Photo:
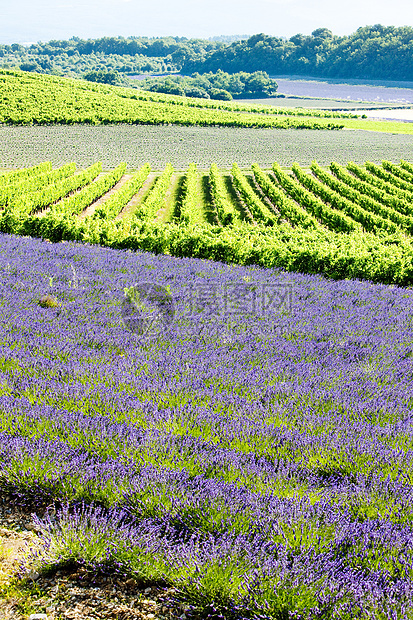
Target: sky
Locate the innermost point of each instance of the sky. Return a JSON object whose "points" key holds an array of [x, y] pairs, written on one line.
{"points": [[29, 21]]}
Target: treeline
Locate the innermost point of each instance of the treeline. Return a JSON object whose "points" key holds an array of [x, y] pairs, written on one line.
{"points": [[75, 57], [122, 46], [78, 65], [372, 52], [219, 85]]}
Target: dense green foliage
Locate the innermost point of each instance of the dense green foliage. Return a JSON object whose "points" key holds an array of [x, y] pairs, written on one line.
{"points": [[27, 99], [190, 204], [103, 77], [372, 52], [385, 259], [364, 198], [131, 55], [255, 209], [111, 207], [23, 201], [14, 185], [225, 210], [315, 195], [214, 85], [300, 223], [290, 210], [149, 208]]}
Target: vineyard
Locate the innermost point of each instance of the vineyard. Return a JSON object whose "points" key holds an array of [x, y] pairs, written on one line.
{"points": [[27, 99], [36, 99], [206, 382], [345, 222]]}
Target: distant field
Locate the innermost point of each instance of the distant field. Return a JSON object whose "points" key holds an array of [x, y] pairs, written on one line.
{"points": [[342, 89], [391, 126], [323, 104], [25, 146]]}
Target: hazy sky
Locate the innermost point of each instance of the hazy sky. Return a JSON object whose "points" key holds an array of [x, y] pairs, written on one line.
{"points": [[41, 20]]}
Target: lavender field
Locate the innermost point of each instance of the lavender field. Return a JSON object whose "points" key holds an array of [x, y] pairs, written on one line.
{"points": [[333, 89], [257, 454]]}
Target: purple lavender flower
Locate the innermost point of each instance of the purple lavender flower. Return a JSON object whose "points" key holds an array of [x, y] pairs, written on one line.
{"points": [[266, 473]]}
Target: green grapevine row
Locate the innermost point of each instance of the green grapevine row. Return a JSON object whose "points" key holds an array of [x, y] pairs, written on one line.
{"points": [[156, 198], [383, 174], [389, 188], [35, 184], [398, 171], [19, 175], [75, 204], [373, 191], [289, 209], [225, 209], [190, 204], [368, 220], [379, 182], [406, 166], [333, 219], [259, 210], [232, 106], [35, 201]]}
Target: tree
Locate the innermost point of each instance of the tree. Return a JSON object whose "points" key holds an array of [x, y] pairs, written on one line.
{"points": [[322, 33], [194, 91], [102, 76], [218, 93], [299, 39], [259, 82], [31, 66]]}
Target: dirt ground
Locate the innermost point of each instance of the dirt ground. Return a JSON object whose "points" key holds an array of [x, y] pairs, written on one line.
{"points": [[69, 593]]}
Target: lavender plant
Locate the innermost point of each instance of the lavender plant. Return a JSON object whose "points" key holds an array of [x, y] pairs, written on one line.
{"points": [[257, 456]]}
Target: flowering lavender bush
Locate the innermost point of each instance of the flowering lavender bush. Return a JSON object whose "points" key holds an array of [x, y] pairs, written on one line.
{"points": [[263, 467]]}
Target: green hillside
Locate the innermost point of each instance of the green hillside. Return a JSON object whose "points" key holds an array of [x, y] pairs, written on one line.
{"points": [[30, 98], [37, 99]]}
